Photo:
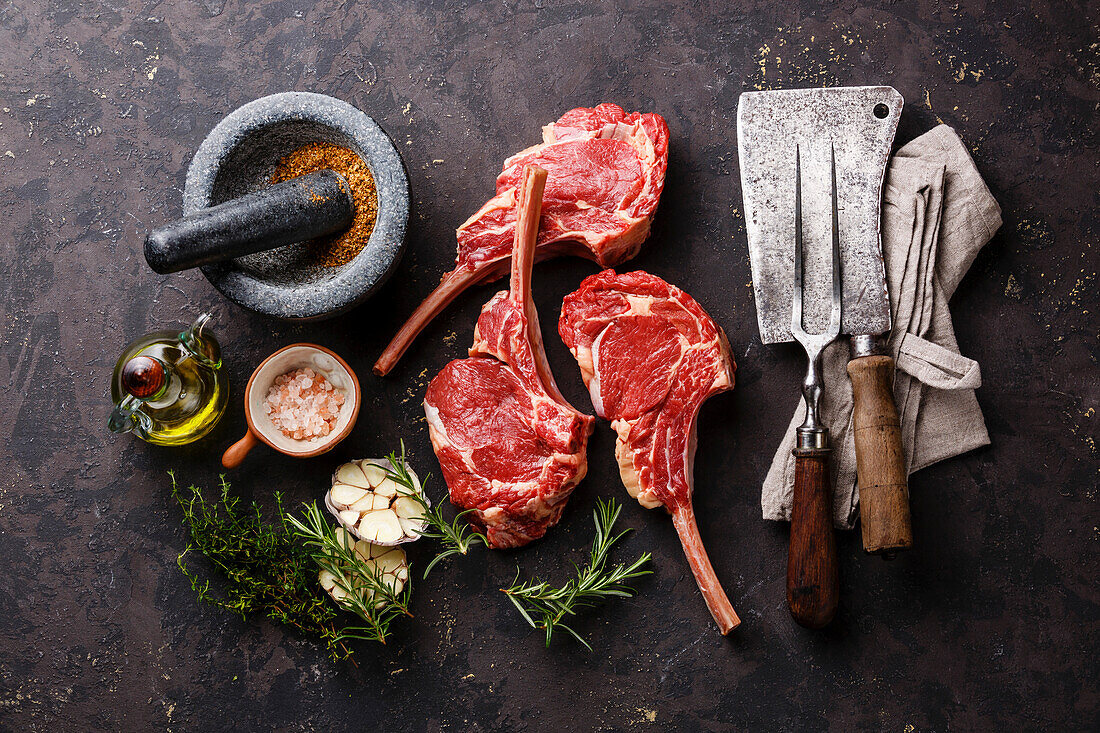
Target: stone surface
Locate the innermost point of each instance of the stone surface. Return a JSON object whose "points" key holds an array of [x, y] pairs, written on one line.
{"points": [[991, 623]]}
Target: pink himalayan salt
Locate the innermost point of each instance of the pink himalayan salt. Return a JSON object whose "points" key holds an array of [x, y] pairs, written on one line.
{"points": [[303, 404]]}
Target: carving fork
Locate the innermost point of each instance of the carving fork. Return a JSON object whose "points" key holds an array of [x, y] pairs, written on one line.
{"points": [[812, 582]]}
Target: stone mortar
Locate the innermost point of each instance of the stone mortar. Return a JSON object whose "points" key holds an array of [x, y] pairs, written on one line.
{"points": [[239, 156]]}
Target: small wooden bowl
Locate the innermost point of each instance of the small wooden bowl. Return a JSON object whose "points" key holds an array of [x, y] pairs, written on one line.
{"points": [[260, 427]]}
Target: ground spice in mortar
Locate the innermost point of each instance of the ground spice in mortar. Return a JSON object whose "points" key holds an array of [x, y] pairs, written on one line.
{"points": [[340, 249]]}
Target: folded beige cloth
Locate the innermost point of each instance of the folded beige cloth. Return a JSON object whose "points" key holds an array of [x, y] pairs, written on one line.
{"points": [[937, 214]]}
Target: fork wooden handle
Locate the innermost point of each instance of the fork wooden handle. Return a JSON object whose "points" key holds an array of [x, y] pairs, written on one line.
{"points": [[880, 462], [813, 588]]}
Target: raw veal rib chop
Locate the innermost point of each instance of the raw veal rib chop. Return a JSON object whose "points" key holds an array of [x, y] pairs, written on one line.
{"points": [[510, 445], [606, 172], [650, 357]]}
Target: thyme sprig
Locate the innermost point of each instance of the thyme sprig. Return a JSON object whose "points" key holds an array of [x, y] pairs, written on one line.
{"points": [[456, 536], [367, 592], [266, 572], [546, 607]]}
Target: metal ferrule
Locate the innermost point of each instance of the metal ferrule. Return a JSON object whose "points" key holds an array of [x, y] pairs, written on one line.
{"points": [[816, 439], [866, 345]]}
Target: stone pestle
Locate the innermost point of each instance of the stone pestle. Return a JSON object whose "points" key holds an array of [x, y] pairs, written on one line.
{"points": [[297, 210]]}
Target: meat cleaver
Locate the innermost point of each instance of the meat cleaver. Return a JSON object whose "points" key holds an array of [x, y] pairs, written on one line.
{"points": [[859, 123]]}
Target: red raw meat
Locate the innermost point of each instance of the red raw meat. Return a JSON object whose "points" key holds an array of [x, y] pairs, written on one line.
{"points": [[650, 356], [606, 172], [510, 445]]}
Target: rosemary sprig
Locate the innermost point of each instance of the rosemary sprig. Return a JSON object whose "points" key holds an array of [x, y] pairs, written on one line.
{"points": [[367, 592], [593, 584], [265, 571], [456, 536]]}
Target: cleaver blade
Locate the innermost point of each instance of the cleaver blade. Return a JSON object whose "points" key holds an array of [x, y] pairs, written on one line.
{"points": [[859, 123]]}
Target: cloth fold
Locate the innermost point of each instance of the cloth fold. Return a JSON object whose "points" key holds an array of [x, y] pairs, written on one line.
{"points": [[937, 214]]}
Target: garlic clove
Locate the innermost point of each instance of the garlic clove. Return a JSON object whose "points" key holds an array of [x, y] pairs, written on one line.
{"points": [[365, 504], [380, 526], [408, 508], [387, 487], [344, 537], [391, 561], [327, 579], [348, 516], [350, 473], [345, 494], [374, 473], [380, 502], [411, 515]]}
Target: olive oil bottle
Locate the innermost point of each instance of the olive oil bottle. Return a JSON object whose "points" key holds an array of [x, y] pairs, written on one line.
{"points": [[169, 387]]}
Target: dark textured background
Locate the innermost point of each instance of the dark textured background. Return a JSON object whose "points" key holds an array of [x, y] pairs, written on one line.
{"points": [[991, 623]]}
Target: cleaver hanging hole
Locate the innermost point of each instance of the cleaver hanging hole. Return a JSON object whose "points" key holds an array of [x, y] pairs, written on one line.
{"points": [[881, 111]]}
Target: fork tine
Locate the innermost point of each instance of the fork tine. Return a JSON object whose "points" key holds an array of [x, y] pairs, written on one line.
{"points": [[838, 282], [796, 307]]}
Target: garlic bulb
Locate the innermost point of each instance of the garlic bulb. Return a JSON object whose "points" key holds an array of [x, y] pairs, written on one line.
{"points": [[366, 500], [388, 562]]}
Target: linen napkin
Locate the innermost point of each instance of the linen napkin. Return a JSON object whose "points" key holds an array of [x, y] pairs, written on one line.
{"points": [[937, 214]]}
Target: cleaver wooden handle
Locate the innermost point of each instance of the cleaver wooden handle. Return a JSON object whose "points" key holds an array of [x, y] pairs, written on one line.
{"points": [[813, 588], [880, 462]]}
